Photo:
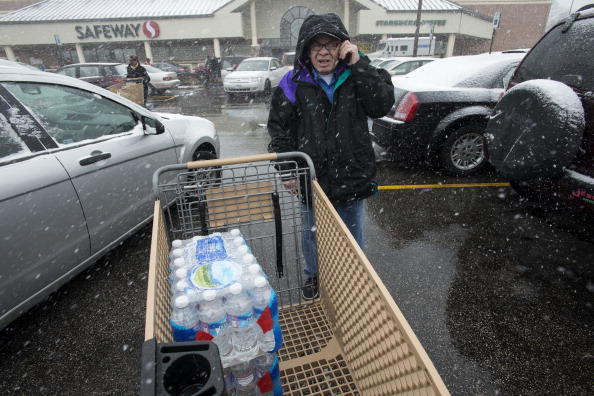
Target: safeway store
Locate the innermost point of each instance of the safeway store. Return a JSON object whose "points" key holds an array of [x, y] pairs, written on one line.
{"points": [[186, 31]]}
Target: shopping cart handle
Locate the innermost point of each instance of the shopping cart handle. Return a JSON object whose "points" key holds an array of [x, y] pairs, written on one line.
{"points": [[253, 158], [292, 155], [232, 160]]}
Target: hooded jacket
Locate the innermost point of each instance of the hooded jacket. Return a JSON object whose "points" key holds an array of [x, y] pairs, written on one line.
{"points": [[334, 134]]}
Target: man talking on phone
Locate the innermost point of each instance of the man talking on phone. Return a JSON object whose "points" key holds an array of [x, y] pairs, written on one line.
{"points": [[321, 107]]}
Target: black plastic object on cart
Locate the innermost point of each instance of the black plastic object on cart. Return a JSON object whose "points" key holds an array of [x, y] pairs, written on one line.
{"points": [[535, 131], [181, 369]]}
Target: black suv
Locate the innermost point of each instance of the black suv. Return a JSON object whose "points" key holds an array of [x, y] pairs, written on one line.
{"points": [[541, 133]]}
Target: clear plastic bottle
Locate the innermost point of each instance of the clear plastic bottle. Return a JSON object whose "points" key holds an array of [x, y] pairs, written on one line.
{"points": [[213, 320], [261, 296], [244, 379], [177, 253], [229, 381], [178, 289], [184, 320], [178, 274], [241, 319], [249, 275], [263, 365]]}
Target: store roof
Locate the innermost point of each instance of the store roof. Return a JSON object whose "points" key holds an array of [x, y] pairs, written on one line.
{"points": [[410, 5], [86, 10], [81, 10]]}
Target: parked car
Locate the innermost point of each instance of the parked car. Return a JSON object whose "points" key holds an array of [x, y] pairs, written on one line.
{"points": [[76, 164], [289, 59], [227, 64], [541, 134], [378, 62], [161, 80], [404, 65], [184, 73], [101, 74], [442, 109], [255, 75], [7, 63]]}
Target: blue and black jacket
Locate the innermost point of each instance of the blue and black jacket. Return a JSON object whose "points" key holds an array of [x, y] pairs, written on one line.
{"points": [[335, 134]]}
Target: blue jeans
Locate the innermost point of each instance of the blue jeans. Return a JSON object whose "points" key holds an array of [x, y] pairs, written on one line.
{"points": [[352, 214]]}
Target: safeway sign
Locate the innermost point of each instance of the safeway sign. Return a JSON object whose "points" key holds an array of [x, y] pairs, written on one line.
{"points": [[151, 29]]}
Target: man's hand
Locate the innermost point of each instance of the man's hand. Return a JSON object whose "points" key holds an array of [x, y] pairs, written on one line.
{"points": [[349, 52], [291, 185]]}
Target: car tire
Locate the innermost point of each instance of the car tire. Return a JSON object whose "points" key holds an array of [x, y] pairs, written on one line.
{"points": [[535, 131], [267, 87], [213, 176], [463, 152]]}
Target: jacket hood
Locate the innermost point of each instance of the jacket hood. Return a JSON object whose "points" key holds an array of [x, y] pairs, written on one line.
{"points": [[329, 24]]}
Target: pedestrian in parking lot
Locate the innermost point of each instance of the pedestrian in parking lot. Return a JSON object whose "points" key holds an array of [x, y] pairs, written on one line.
{"points": [[148, 62], [321, 107], [136, 70]]}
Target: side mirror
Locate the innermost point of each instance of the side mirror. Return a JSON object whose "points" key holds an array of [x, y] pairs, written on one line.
{"points": [[152, 126], [273, 68]]}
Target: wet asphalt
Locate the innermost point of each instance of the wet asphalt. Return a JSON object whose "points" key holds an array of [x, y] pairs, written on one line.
{"points": [[499, 291]]}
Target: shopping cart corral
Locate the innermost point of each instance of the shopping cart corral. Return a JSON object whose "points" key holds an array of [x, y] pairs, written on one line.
{"points": [[353, 340]]}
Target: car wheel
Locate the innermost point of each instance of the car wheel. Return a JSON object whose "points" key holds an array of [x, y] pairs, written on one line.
{"points": [[267, 87], [463, 152], [206, 176], [535, 131]]}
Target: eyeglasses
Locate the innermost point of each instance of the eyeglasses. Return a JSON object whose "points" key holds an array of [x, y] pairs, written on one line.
{"points": [[315, 46]]}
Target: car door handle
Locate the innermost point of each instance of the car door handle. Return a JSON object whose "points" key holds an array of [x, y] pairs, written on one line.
{"points": [[95, 156]]}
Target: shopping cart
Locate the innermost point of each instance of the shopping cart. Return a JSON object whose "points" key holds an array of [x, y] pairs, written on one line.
{"points": [[353, 340]]}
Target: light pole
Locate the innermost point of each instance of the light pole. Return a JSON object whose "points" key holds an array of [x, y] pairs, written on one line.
{"points": [[418, 26]]}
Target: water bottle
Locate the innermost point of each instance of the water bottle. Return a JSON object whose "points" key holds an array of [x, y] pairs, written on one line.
{"points": [[184, 320], [177, 262], [179, 288], [261, 296], [195, 296], [178, 275], [213, 320], [240, 317], [244, 379], [249, 276], [229, 381], [175, 254], [263, 365]]}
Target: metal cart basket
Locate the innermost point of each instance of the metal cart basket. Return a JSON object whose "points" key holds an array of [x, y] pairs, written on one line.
{"points": [[353, 339]]}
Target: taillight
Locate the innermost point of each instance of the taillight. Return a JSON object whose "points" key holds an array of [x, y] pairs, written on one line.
{"points": [[167, 78], [181, 69], [407, 107]]}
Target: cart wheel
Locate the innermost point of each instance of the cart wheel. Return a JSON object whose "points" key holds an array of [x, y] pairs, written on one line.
{"points": [[206, 176]]}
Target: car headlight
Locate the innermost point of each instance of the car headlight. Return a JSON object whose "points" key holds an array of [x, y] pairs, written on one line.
{"points": [[256, 79]]}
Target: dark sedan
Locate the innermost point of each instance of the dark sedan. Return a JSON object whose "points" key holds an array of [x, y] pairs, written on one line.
{"points": [[442, 110]]}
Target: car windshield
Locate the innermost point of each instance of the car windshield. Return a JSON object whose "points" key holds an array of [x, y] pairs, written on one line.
{"points": [[253, 65]]}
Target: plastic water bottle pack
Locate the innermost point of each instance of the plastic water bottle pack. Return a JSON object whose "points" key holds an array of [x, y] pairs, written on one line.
{"points": [[220, 293]]}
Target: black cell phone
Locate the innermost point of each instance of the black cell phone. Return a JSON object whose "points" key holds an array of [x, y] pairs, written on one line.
{"points": [[347, 58]]}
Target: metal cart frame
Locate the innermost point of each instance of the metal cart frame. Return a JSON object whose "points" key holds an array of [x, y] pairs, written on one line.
{"points": [[353, 339]]}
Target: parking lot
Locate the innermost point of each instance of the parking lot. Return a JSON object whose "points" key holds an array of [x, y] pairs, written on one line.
{"points": [[498, 290]]}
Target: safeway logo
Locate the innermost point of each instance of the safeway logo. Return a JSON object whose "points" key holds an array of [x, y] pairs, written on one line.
{"points": [[151, 29]]}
